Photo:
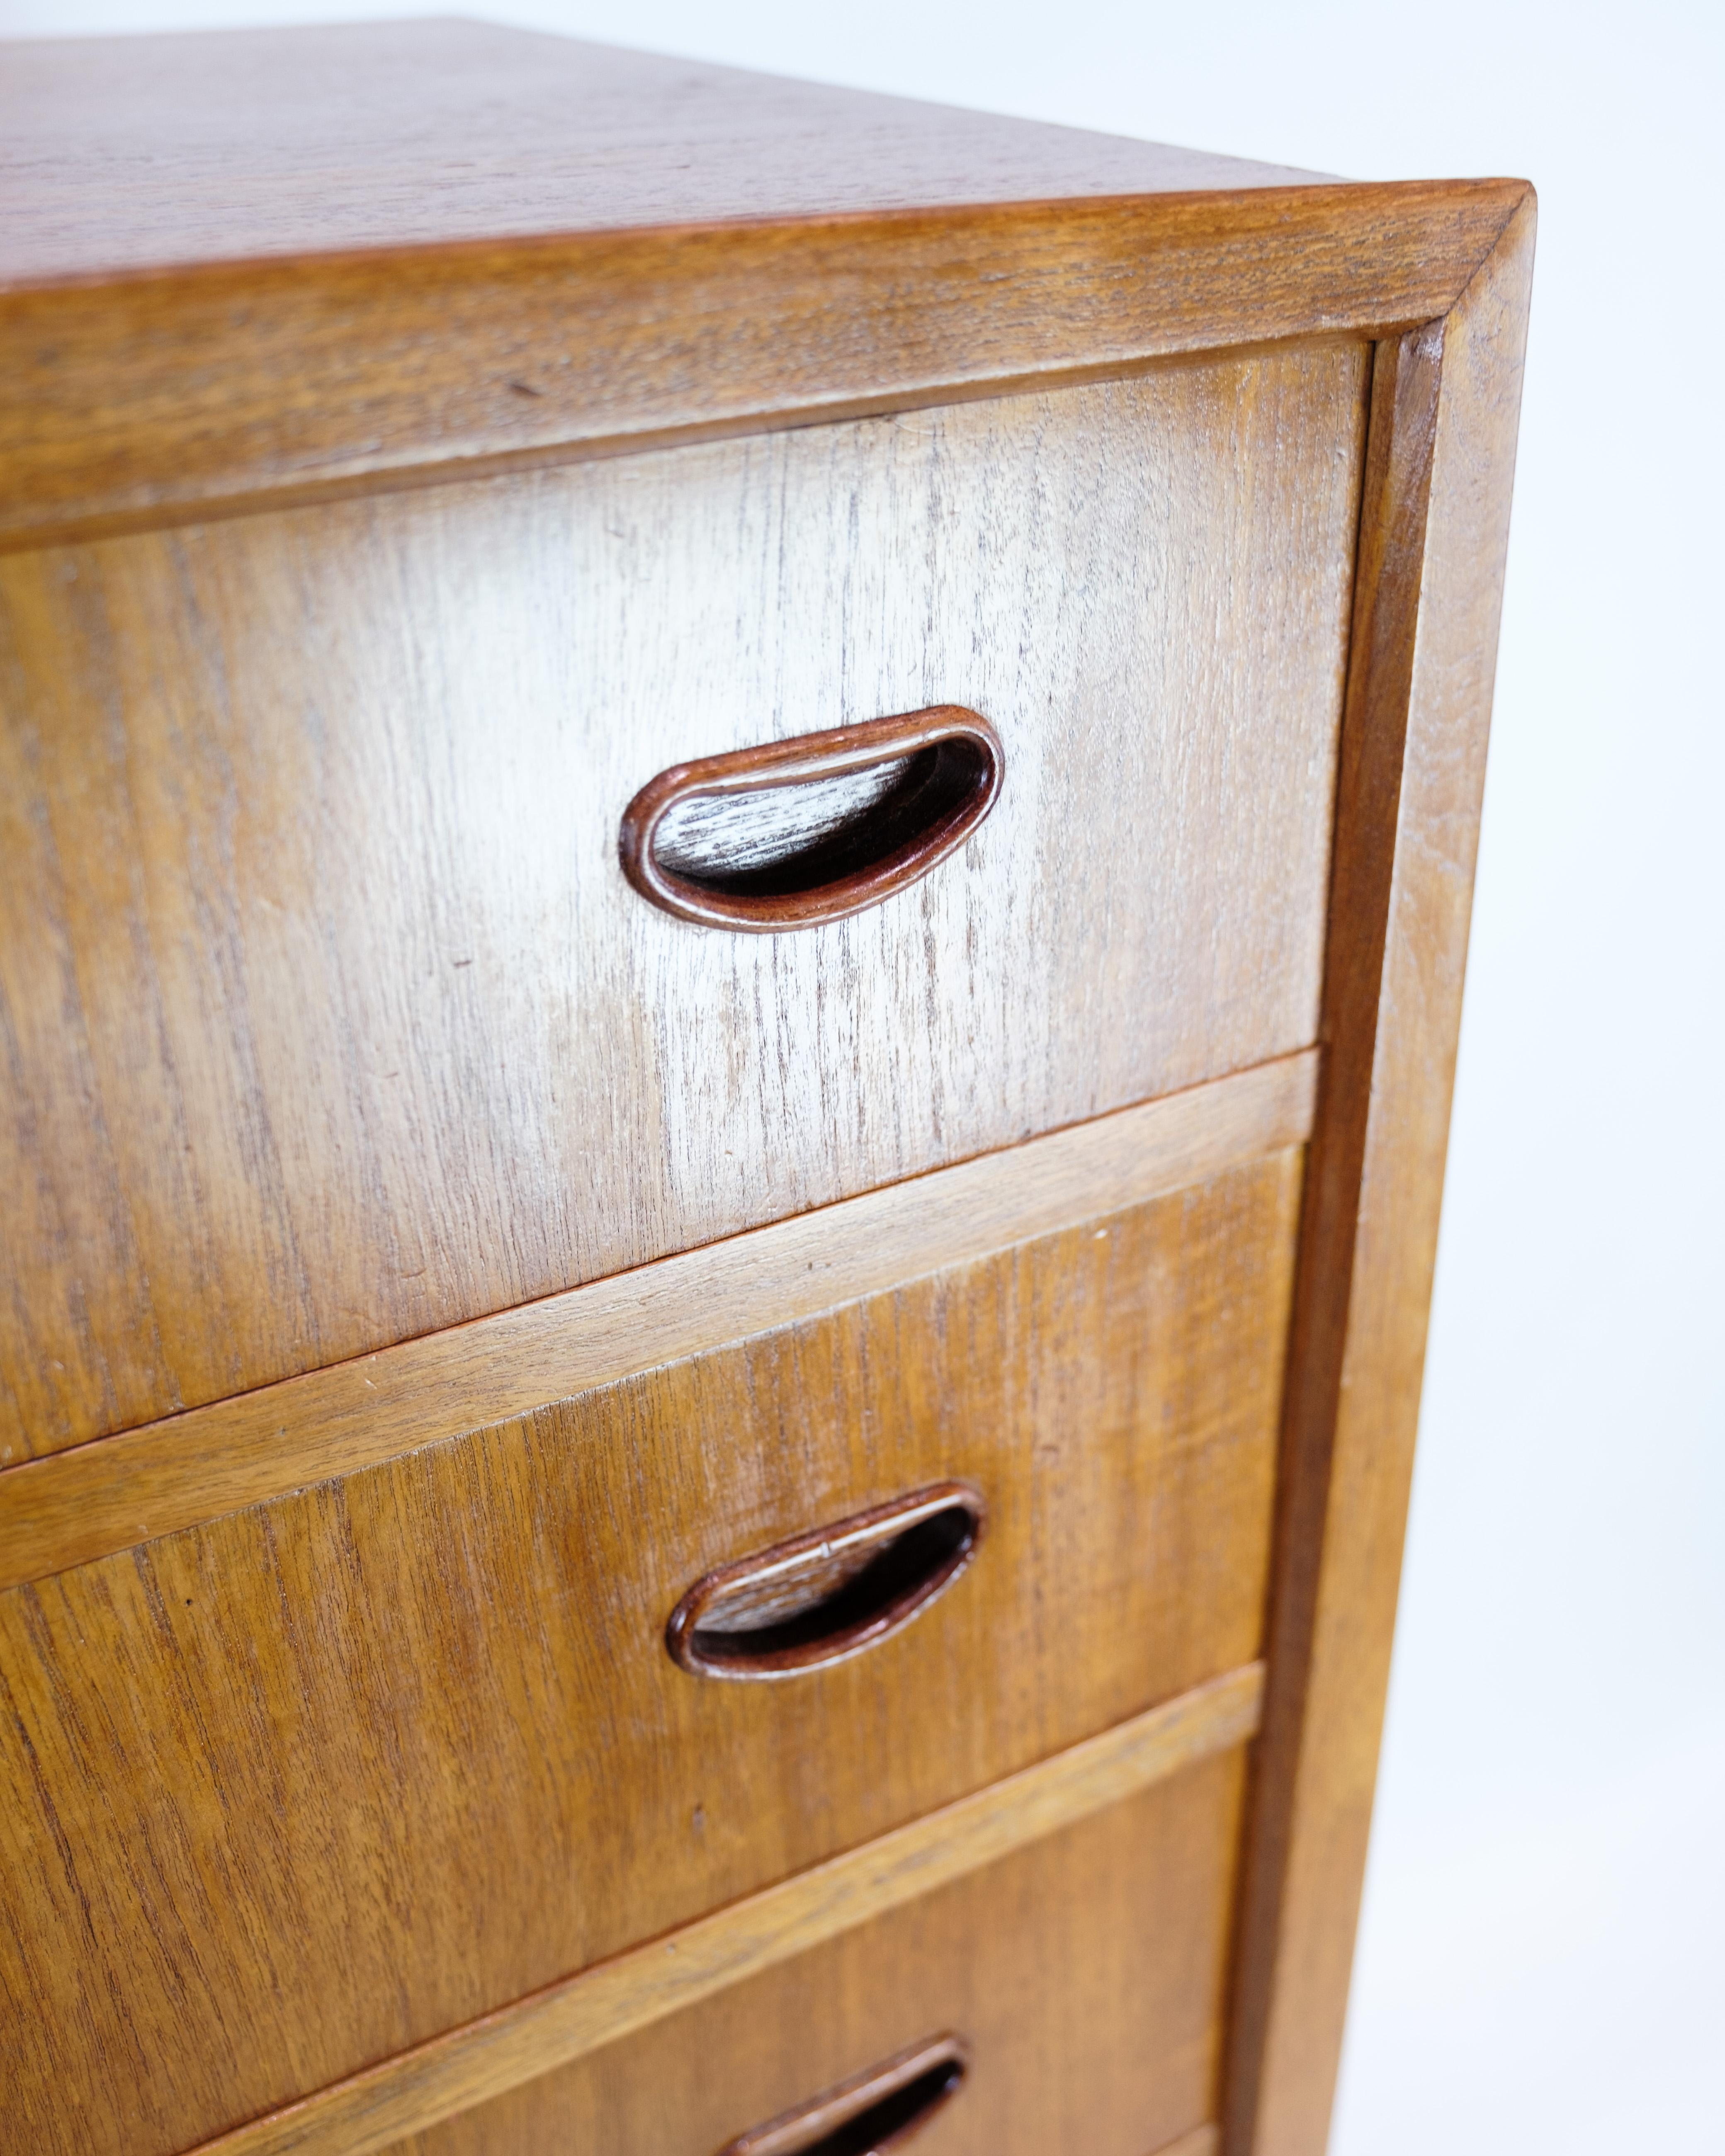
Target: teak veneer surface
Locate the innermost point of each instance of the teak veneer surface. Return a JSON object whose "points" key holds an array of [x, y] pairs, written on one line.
{"points": [[330, 1018], [1086, 1971], [130, 154], [338, 1773]]}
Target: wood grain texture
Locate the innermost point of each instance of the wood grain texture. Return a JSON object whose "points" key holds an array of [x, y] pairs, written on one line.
{"points": [[72, 1506], [327, 1021], [1089, 1954], [129, 154], [327, 1016], [468, 247], [1435, 531], [342, 1771]]}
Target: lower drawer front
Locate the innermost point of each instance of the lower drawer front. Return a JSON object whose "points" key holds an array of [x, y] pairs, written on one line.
{"points": [[1085, 1975], [322, 1780]]}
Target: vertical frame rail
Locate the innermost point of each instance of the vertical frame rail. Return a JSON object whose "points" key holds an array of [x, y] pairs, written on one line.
{"points": [[1434, 533]]}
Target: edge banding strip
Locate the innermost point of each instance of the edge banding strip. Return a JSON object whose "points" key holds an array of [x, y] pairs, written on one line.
{"points": [[402, 357], [374, 2109], [73, 1507]]}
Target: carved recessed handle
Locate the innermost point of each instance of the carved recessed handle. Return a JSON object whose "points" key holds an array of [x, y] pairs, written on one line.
{"points": [[871, 2112], [828, 1595], [797, 832]]}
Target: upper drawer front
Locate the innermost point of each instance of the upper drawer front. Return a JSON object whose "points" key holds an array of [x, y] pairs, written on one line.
{"points": [[328, 1017], [339, 1772]]}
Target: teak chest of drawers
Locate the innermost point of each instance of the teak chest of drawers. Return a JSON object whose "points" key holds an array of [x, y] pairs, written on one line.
{"points": [[736, 828]]}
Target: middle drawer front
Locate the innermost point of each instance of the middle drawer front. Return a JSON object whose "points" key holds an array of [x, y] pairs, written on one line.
{"points": [[342, 1771]]}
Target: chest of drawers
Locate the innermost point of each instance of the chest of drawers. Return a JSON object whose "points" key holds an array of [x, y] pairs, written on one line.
{"points": [[737, 825]]}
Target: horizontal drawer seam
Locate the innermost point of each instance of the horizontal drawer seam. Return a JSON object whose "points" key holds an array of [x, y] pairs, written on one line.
{"points": [[74, 1507], [416, 2089]]}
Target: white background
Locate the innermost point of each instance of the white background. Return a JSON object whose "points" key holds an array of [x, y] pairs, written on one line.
{"points": [[1540, 1961]]}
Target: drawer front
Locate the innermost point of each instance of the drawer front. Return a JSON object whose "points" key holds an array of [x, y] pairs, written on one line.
{"points": [[344, 1770], [1085, 1976], [330, 1019]]}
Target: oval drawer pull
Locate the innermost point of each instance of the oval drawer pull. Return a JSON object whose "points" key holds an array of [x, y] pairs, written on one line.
{"points": [[871, 2112], [825, 1595], [797, 832]]}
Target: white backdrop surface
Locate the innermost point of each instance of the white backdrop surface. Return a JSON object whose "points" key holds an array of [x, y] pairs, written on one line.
{"points": [[1542, 1958]]}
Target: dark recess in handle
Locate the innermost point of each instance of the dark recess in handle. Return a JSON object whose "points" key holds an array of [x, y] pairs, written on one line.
{"points": [[793, 833], [828, 1595], [874, 2112]]}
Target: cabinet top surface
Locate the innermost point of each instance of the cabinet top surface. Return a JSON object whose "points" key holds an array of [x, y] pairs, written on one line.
{"points": [[130, 154]]}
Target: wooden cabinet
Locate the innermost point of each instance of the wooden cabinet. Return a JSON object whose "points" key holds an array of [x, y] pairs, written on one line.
{"points": [[770, 1517]]}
